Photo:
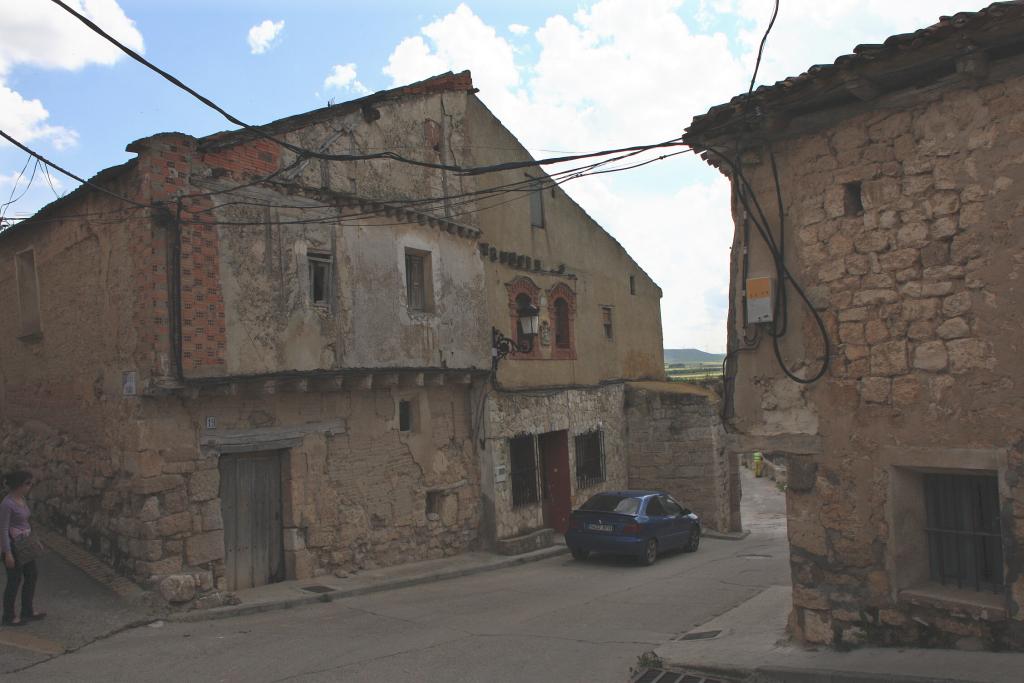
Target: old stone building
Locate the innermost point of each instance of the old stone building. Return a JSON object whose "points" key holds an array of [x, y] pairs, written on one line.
{"points": [[899, 170], [234, 359]]}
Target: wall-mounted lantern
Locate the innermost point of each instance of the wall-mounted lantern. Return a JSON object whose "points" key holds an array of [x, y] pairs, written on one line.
{"points": [[528, 325]]}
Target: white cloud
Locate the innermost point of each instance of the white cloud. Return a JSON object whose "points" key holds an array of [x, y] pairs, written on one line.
{"points": [[343, 77], [263, 35], [809, 32], [25, 120], [621, 72], [518, 29], [41, 34]]}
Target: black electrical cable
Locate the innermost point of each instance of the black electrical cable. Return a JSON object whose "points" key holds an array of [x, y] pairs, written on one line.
{"points": [[760, 49], [765, 234], [14, 187], [66, 172], [389, 155]]}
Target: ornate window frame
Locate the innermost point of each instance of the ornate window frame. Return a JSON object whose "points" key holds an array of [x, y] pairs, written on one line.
{"points": [[522, 285]]}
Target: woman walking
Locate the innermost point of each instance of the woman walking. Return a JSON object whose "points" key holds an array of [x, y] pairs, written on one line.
{"points": [[19, 549]]}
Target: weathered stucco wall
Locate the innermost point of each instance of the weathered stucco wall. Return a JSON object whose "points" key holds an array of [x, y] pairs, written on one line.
{"points": [[919, 290], [674, 436], [272, 325], [570, 243]]}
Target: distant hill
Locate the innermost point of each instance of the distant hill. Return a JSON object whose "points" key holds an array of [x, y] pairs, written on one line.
{"points": [[692, 356]]}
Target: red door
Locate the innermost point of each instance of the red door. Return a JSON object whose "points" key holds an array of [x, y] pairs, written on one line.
{"points": [[554, 455]]}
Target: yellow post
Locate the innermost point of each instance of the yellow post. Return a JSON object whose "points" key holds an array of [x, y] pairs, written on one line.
{"points": [[758, 464]]}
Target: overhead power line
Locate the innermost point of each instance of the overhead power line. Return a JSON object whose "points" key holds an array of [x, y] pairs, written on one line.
{"points": [[389, 155], [66, 172]]}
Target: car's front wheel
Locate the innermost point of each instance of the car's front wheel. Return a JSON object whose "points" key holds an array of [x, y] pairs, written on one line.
{"points": [[579, 554], [694, 542], [650, 553]]}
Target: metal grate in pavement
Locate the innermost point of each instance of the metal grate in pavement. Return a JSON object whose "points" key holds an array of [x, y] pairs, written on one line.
{"points": [[318, 589], [662, 676]]}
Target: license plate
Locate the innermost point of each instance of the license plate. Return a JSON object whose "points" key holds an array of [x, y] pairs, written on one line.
{"points": [[600, 527]]}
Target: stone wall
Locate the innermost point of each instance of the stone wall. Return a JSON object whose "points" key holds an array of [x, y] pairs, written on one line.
{"points": [[905, 221], [578, 411], [354, 487], [674, 435]]}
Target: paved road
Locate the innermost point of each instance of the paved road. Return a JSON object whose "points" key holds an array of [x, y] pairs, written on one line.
{"points": [[548, 621]]}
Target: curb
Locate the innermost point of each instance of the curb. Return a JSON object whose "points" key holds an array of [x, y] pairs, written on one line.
{"points": [[783, 674], [340, 594], [725, 535]]}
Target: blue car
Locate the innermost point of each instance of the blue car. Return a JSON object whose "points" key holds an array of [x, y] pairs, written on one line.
{"points": [[636, 523]]}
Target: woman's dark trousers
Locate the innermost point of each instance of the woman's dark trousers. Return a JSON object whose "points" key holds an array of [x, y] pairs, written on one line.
{"points": [[26, 573]]}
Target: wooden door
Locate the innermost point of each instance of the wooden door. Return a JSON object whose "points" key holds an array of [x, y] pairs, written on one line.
{"points": [[250, 495], [554, 455]]}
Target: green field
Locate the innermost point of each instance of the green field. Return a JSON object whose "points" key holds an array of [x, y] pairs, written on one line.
{"points": [[689, 372]]}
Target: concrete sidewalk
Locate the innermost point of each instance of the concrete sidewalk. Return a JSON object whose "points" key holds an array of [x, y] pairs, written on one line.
{"points": [[80, 608], [288, 594], [753, 646]]}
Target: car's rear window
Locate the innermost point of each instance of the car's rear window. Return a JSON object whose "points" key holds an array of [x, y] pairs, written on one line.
{"points": [[607, 502]]}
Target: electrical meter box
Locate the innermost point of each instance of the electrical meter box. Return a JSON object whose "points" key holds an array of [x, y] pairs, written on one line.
{"points": [[760, 300]]}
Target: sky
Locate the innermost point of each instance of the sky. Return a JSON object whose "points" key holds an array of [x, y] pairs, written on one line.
{"points": [[562, 76]]}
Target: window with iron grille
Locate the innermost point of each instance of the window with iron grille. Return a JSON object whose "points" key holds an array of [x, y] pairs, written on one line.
{"points": [[589, 459], [964, 539], [522, 452], [606, 320]]}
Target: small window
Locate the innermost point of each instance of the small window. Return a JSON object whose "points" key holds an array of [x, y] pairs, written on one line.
{"points": [[434, 504], [319, 278], [28, 292], [632, 284], [405, 416], [563, 339], [537, 203], [853, 205], [606, 320], [965, 545], [589, 460], [523, 470], [654, 508], [523, 303], [418, 280]]}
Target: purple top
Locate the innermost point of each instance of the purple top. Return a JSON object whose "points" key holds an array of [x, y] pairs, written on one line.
{"points": [[13, 522]]}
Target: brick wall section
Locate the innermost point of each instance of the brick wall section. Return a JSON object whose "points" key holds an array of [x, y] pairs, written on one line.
{"points": [[674, 445], [203, 337], [166, 163]]}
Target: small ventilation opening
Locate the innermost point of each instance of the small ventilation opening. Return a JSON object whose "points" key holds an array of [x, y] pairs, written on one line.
{"points": [[433, 504], [405, 416], [853, 205]]}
